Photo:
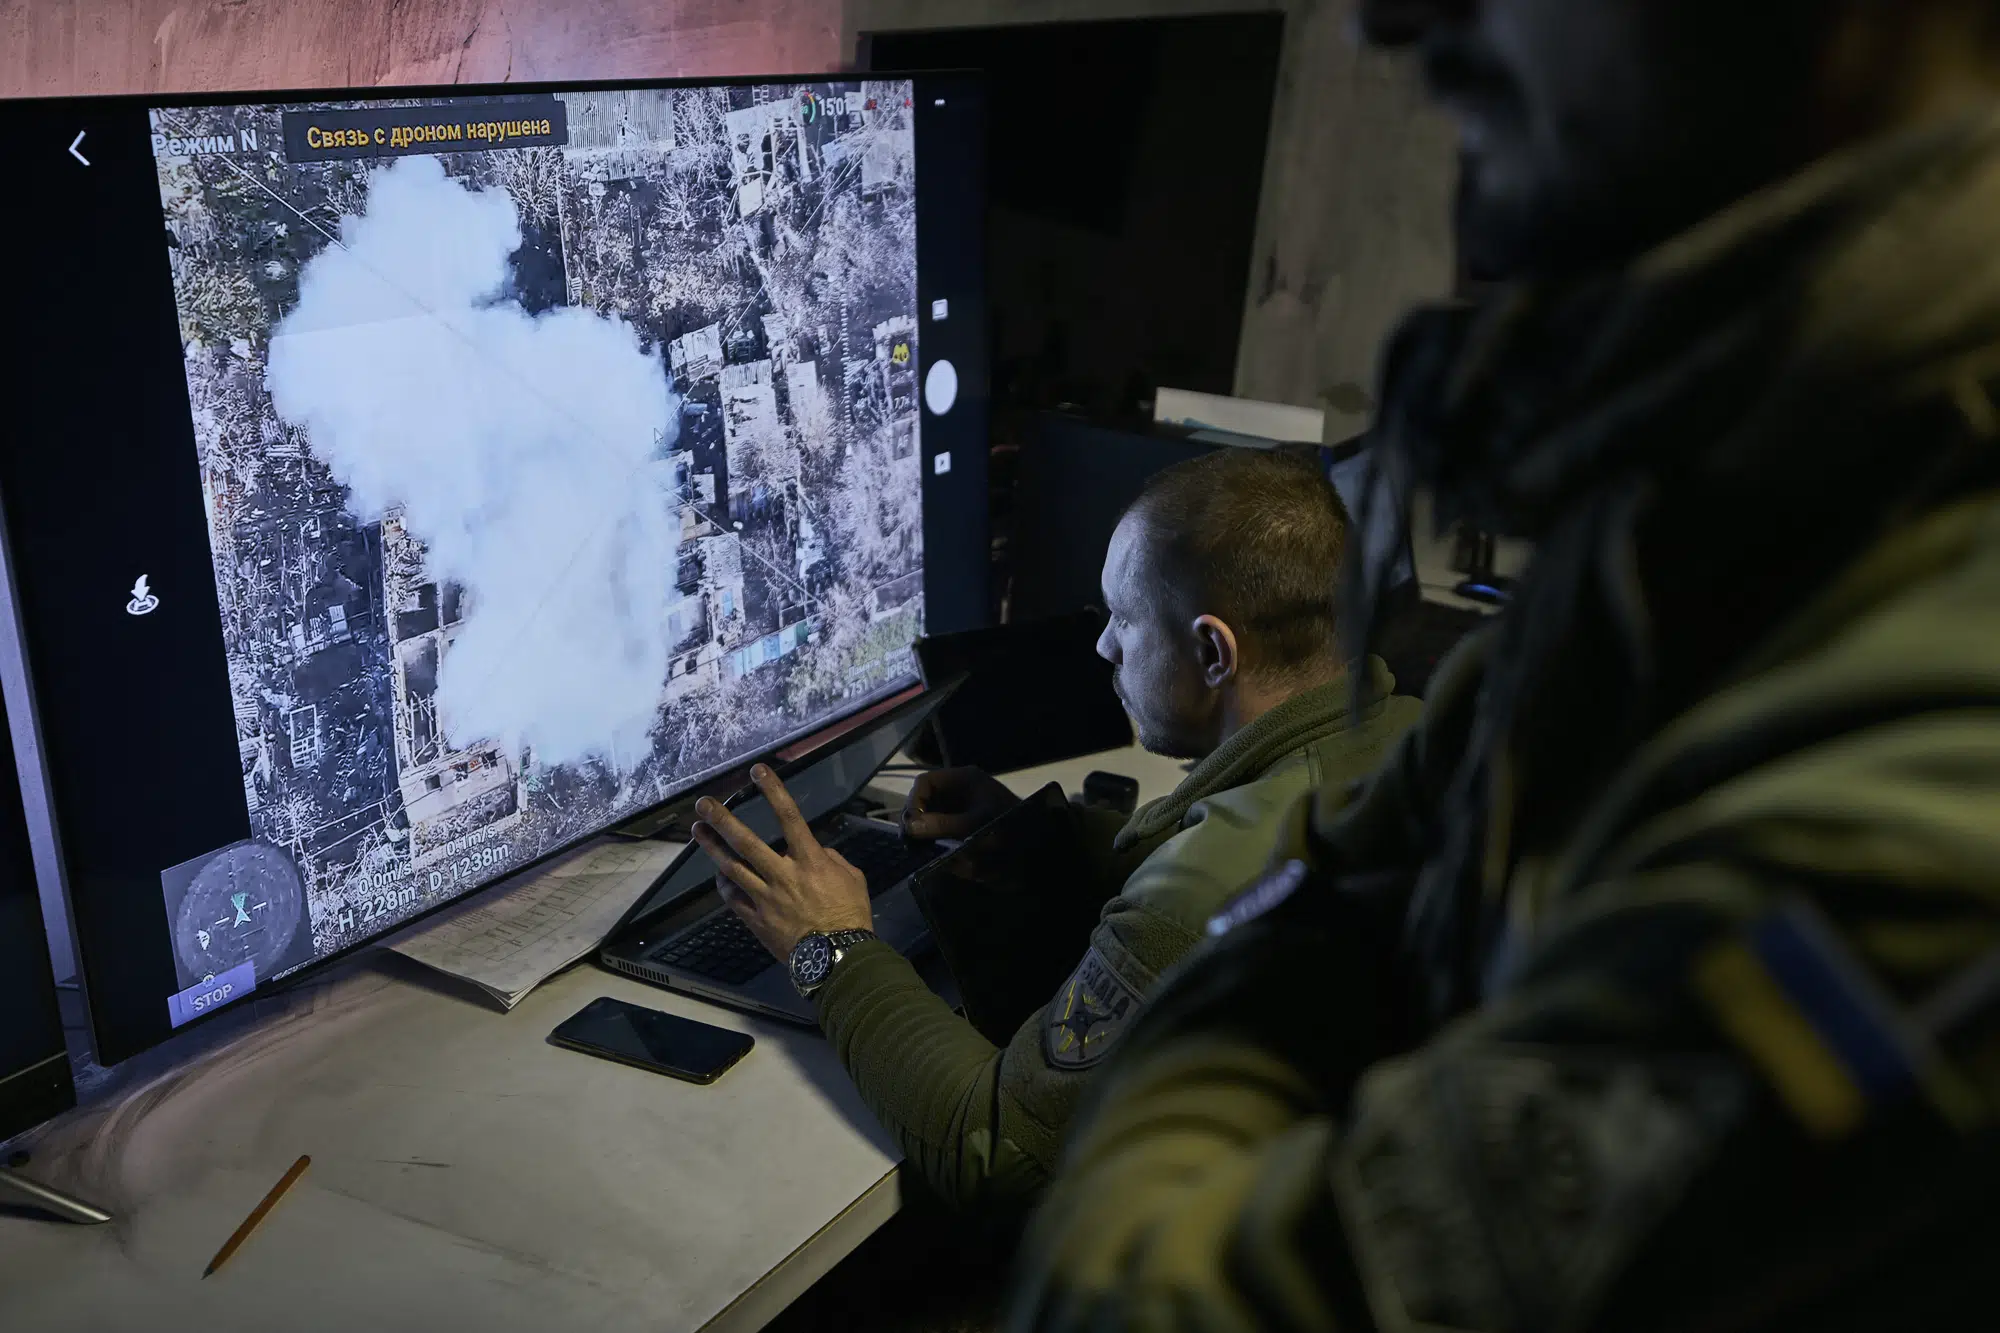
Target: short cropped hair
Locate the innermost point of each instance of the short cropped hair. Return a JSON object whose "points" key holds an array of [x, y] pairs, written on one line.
{"points": [[1253, 537]]}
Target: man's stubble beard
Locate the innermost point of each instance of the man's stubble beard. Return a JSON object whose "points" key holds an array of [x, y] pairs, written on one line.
{"points": [[1167, 742], [1607, 214], [1165, 746], [1504, 238]]}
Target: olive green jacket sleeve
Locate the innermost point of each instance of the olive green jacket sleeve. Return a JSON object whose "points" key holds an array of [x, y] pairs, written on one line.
{"points": [[1618, 1116], [984, 1124]]}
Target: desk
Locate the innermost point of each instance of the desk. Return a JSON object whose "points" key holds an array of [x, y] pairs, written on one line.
{"points": [[465, 1173]]}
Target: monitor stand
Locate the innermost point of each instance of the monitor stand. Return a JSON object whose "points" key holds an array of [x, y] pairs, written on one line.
{"points": [[18, 1187]]}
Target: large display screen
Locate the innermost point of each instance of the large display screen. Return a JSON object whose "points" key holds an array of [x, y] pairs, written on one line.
{"points": [[549, 452]]}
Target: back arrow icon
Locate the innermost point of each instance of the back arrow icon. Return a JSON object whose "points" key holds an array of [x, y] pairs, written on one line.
{"points": [[72, 147]]}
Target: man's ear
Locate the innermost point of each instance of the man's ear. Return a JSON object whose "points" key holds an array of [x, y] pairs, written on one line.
{"points": [[1216, 653]]}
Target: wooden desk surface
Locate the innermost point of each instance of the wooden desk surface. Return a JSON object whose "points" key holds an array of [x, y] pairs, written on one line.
{"points": [[465, 1173]]}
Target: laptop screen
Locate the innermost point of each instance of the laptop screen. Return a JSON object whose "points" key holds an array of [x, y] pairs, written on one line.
{"points": [[1351, 476], [820, 789]]}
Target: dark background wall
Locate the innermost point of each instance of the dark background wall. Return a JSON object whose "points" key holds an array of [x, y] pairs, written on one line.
{"points": [[55, 47], [1353, 224], [1125, 165]]}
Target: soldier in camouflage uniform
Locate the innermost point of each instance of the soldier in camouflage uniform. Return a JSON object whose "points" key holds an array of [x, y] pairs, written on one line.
{"points": [[1654, 982]]}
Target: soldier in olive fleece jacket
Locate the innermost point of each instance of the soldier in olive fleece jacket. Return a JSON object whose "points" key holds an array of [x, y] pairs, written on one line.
{"points": [[984, 1124], [1221, 629]]}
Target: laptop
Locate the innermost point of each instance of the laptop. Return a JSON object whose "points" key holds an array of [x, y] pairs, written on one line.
{"points": [[1012, 910], [1035, 692], [683, 937]]}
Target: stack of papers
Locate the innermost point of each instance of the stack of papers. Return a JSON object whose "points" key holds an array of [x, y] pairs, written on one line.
{"points": [[1245, 418], [512, 941]]}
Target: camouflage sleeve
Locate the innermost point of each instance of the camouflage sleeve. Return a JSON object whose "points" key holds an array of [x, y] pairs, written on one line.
{"points": [[1729, 1058], [1704, 1073]]}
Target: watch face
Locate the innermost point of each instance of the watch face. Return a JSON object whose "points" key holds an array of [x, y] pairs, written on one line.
{"points": [[812, 959]]}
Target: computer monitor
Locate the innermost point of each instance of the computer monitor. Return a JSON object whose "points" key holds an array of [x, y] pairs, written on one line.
{"points": [[34, 1062], [1383, 536], [1075, 479], [403, 486]]}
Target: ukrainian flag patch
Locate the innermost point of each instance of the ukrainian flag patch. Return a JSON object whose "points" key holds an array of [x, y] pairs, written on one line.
{"points": [[1830, 1041]]}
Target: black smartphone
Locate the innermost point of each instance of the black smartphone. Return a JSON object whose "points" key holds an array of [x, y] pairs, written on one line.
{"points": [[1111, 791], [664, 1043]]}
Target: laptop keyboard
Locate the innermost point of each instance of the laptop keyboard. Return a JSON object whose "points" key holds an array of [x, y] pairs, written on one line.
{"points": [[722, 948], [884, 857]]}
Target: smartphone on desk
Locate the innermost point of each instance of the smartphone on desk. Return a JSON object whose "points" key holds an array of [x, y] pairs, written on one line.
{"points": [[664, 1043]]}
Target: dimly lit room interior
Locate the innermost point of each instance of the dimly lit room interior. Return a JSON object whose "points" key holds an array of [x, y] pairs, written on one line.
{"points": [[902, 666]]}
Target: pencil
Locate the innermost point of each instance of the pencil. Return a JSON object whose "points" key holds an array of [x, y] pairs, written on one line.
{"points": [[257, 1215]]}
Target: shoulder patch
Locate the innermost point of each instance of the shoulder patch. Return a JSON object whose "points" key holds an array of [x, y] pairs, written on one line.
{"points": [[1259, 898], [1083, 1022], [1506, 1191]]}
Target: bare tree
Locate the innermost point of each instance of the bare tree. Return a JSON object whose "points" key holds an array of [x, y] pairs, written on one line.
{"points": [[533, 178]]}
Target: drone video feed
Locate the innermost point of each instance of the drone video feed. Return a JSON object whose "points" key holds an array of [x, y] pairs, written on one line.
{"points": [[557, 452]]}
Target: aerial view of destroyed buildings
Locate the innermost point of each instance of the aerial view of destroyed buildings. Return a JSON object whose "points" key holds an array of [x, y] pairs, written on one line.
{"points": [[542, 479]]}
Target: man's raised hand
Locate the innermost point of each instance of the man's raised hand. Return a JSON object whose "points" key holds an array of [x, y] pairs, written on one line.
{"points": [[781, 896]]}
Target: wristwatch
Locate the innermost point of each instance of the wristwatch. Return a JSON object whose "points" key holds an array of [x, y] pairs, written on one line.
{"points": [[815, 956]]}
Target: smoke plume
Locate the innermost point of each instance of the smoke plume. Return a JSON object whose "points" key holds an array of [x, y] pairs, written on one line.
{"points": [[518, 447]]}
